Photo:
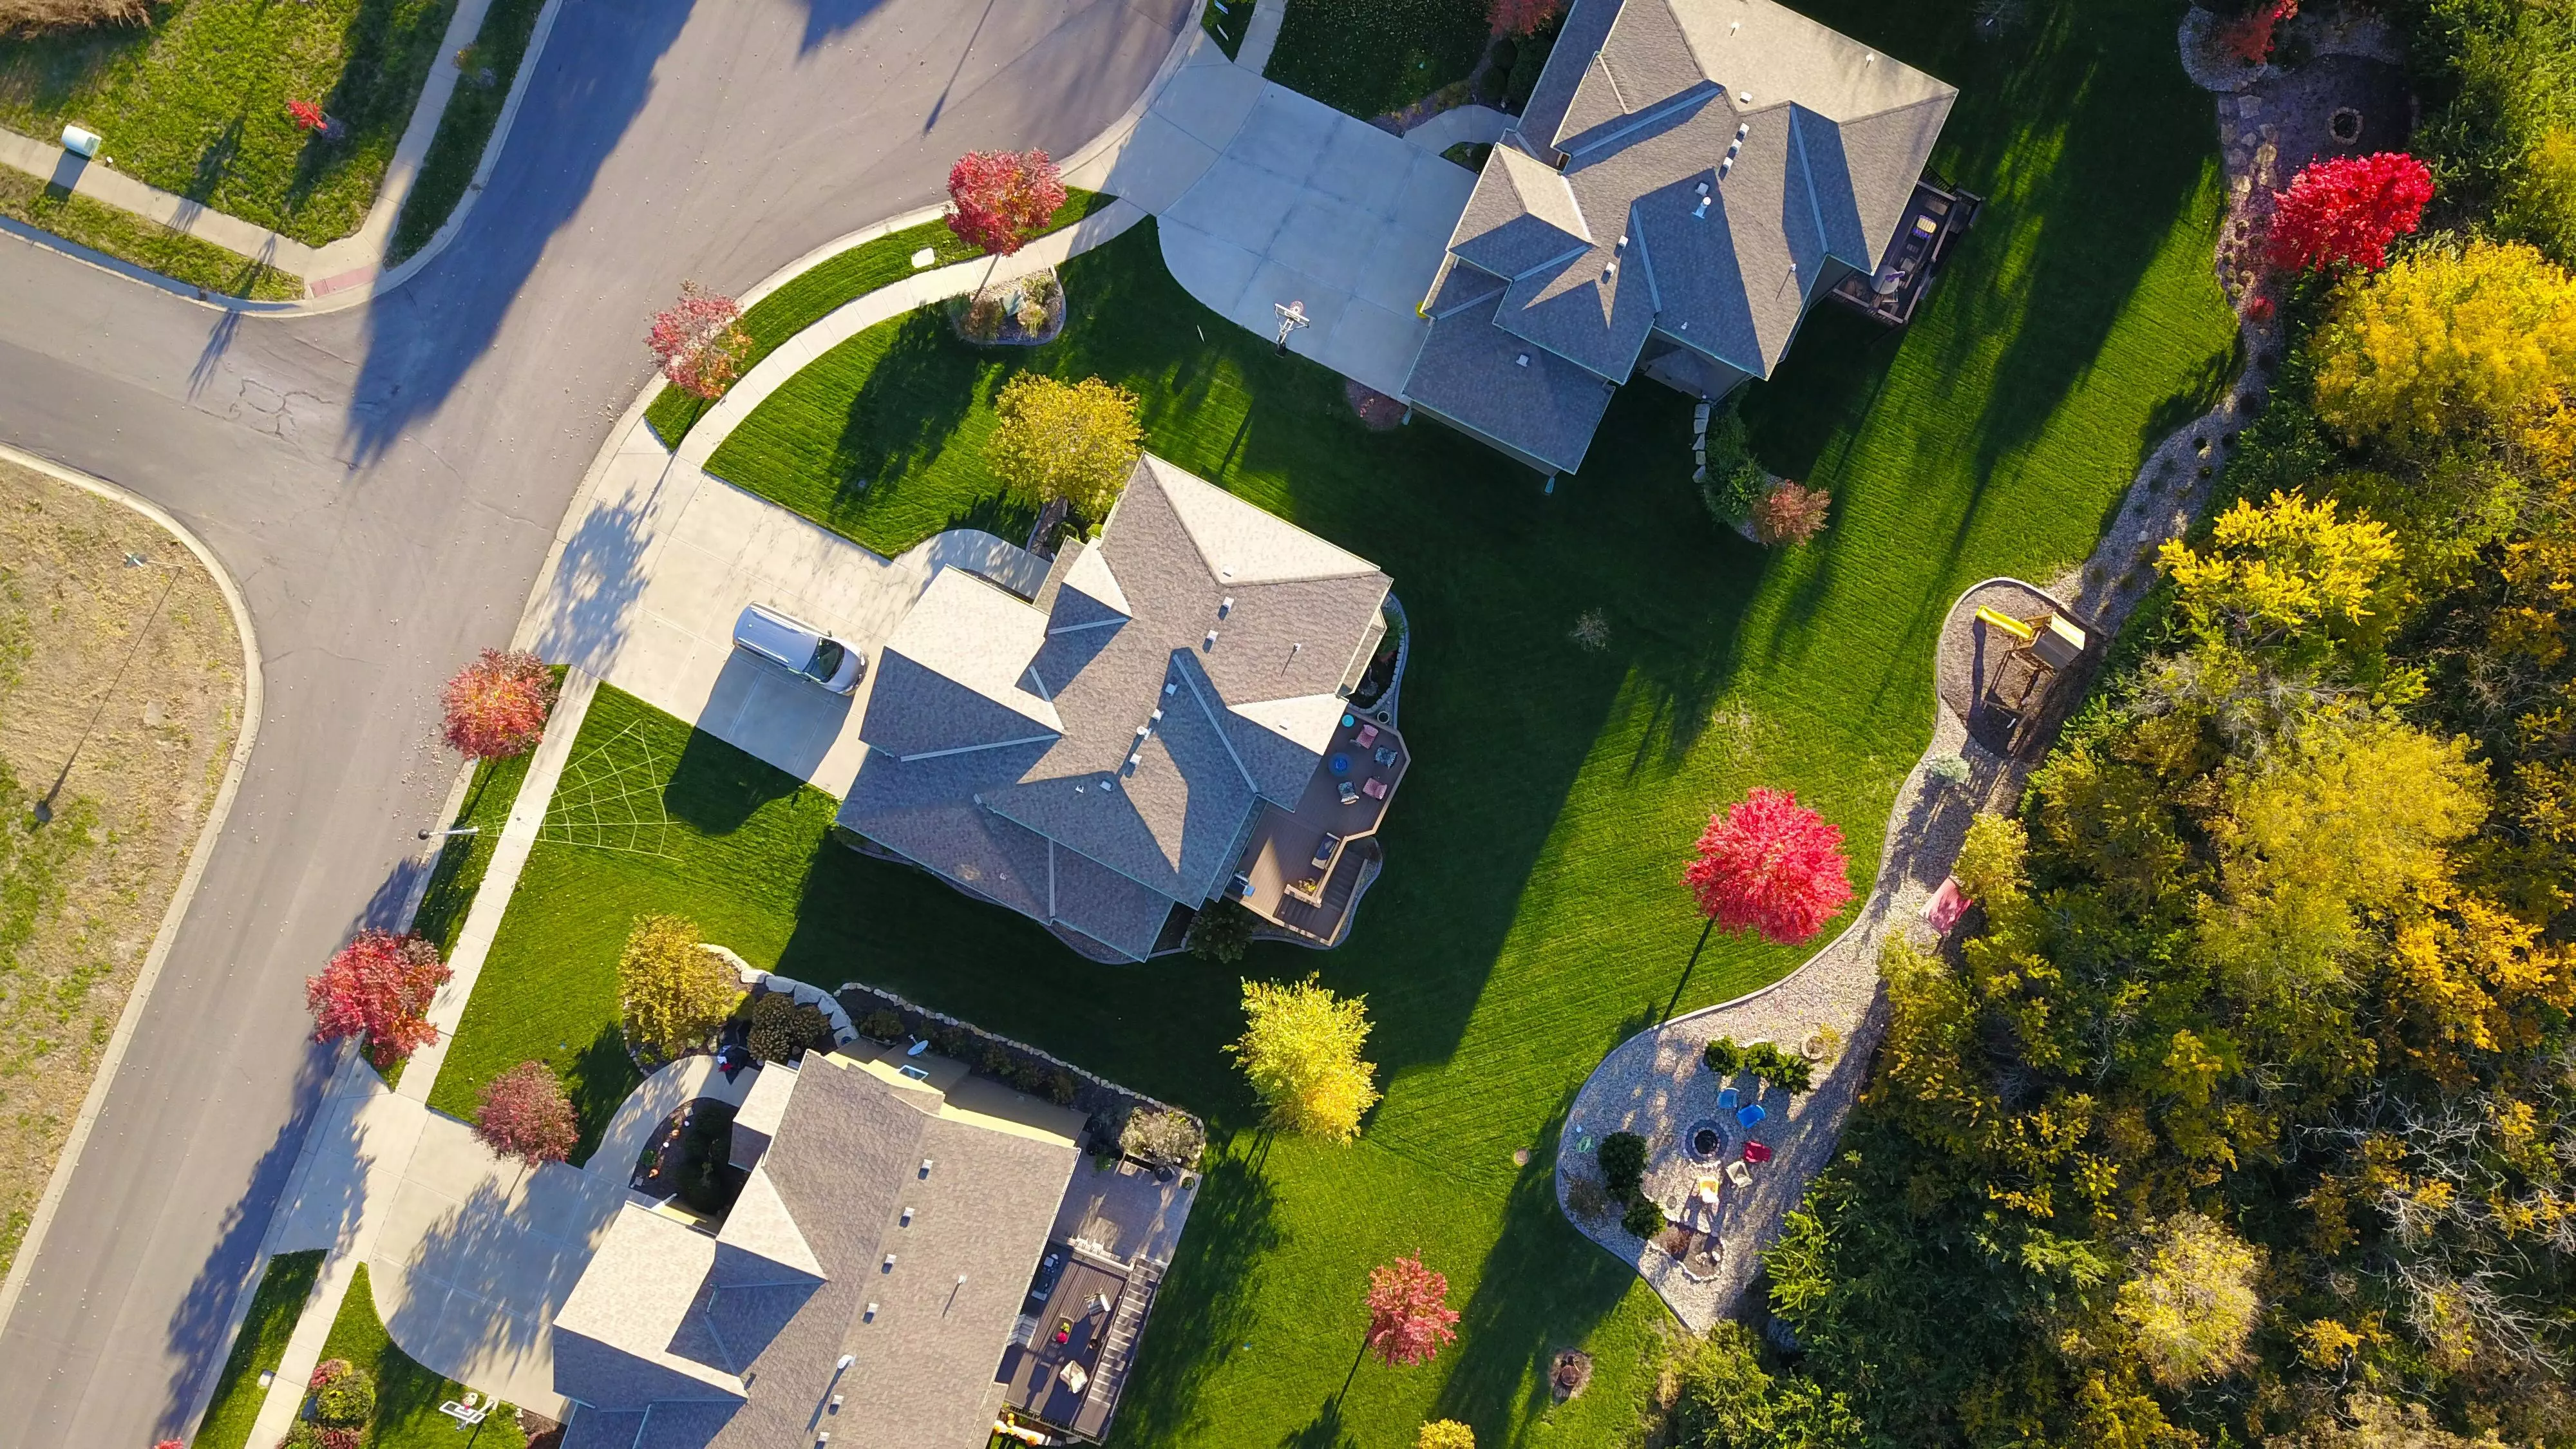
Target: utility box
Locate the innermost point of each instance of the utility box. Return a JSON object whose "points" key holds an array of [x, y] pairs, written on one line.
{"points": [[80, 141]]}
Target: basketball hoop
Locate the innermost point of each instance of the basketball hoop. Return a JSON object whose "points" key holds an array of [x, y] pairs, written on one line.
{"points": [[1292, 315]]}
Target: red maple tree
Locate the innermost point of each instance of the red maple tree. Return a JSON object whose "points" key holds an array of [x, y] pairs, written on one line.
{"points": [[1524, 17], [997, 200], [308, 115], [496, 706], [2346, 211], [525, 1114], [378, 987], [698, 341], [1409, 1312], [1770, 865]]}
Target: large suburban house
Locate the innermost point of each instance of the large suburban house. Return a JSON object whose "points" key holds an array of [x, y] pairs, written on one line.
{"points": [[916, 1256], [1167, 722], [1687, 179]]}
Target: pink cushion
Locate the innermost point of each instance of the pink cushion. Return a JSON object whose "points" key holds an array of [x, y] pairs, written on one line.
{"points": [[1946, 906], [1376, 789]]}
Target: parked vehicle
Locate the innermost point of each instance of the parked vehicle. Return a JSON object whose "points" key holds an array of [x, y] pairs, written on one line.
{"points": [[799, 648]]}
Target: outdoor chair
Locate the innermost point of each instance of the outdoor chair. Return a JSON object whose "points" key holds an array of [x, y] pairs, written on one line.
{"points": [[1739, 1174], [1350, 793], [1374, 788], [1756, 1153], [1750, 1114], [1386, 755], [1726, 1099], [1368, 735]]}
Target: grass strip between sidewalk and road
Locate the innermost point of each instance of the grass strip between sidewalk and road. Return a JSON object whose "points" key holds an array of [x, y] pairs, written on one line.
{"points": [[465, 128], [1227, 20], [257, 1350], [837, 280], [196, 102], [144, 242], [407, 1393]]}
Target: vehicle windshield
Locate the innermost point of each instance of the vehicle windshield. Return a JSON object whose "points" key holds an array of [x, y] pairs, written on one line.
{"points": [[827, 661]]}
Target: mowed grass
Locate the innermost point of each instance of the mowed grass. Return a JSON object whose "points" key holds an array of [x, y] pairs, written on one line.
{"points": [[465, 127], [1369, 57], [257, 1349], [1531, 915], [408, 1394], [196, 102], [814, 293], [148, 244]]}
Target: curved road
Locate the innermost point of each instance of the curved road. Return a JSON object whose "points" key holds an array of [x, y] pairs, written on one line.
{"points": [[383, 482]]}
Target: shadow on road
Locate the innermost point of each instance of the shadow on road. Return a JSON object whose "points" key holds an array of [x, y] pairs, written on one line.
{"points": [[198, 1335], [594, 77]]}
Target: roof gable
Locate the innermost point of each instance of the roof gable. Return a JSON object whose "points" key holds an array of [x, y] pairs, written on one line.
{"points": [[1520, 217]]}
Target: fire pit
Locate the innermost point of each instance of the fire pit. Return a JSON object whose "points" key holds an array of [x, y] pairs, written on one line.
{"points": [[1706, 1141]]}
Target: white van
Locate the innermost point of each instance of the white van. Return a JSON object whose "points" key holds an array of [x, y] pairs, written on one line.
{"points": [[800, 649]]}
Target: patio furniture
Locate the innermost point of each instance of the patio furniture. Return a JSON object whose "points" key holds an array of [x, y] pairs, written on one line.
{"points": [[1750, 1114], [1756, 1153], [1368, 735], [1726, 1098], [1739, 1174], [1341, 764], [1946, 906], [1386, 755], [1350, 793], [1324, 852], [1374, 788]]}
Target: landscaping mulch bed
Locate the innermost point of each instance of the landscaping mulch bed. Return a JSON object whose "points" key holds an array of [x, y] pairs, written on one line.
{"points": [[1377, 412]]}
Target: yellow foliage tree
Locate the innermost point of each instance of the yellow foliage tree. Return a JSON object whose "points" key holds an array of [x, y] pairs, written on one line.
{"points": [[2190, 1306], [1445, 1434], [2540, 199], [1075, 441], [2445, 341], [1301, 1048], [673, 992], [2281, 568], [2468, 975]]}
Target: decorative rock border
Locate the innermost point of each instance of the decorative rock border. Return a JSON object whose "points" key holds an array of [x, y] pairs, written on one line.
{"points": [[755, 979]]}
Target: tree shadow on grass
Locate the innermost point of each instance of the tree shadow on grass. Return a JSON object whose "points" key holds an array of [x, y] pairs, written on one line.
{"points": [[1543, 1287], [369, 99], [716, 787], [600, 1080], [904, 416], [1208, 1303]]}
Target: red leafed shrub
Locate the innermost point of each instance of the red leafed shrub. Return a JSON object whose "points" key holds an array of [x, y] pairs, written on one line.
{"points": [[1524, 17], [997, 200], [1409, 1312], [497, 706], [2258, 309], [1791, 513], [169, 1444], [1770, 865], [526, 1115], [307, 115], [698, 341], [2346, 211], [2249, 36], [378, 987]]}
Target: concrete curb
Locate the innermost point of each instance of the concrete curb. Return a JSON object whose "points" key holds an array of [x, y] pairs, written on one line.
{"points": [[351, 296], [113, 1057]]}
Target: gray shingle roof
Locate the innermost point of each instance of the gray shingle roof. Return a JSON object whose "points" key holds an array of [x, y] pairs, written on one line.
{"points": [[1805, 143], [924, 1306], [1220, 631]]}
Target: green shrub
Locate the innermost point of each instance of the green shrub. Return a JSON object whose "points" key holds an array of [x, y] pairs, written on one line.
{"points": [[1644, 1218], [1159, 1138], [996, 1063], [1029, 1077], [707, 1181], [1623, 1163], [346, 1399], [1723, 1056], [1221, 932], [1059, 1088], [783, 1028], [881, 1025], [954, 1042], [1788, 1071], [1729, 497], [1529, 57]]}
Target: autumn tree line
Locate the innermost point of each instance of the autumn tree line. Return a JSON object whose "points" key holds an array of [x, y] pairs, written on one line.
{"points": [[2242, 1108]]}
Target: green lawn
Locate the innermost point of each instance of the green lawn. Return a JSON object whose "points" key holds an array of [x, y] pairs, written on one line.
{"points": [[149, 244], [813, 294], [1369, 57], [1530, 915], [1227, 20], [407, 1394], [466, 125], [274, 1308], [196, 102]]}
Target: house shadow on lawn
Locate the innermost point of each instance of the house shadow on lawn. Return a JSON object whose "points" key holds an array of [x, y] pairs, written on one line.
{"points": [[599, 1080], [1208, 1302], [716, 786]]}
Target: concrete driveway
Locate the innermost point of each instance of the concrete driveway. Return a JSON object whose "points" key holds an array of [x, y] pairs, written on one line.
{"points": [[1266, 196], [661, 561]]}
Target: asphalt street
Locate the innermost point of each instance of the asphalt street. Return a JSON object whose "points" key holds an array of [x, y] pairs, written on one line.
{"points": [[383, 483]]}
